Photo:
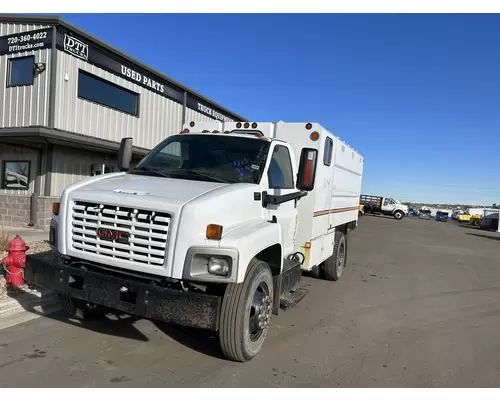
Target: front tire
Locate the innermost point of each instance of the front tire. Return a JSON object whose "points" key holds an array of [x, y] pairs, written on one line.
{"points": [[335, 264], [398, 215], [76, 308], [246, 313]]}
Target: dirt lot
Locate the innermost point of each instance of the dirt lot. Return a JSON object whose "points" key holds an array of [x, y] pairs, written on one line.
{"points": [[418, 306]]}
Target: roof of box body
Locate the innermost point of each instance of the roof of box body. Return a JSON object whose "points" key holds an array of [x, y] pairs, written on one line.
{"points": [[56, 20]]}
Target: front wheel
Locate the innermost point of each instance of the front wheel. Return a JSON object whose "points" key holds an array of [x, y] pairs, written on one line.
{"points": [[398, 215], [246, 313]]}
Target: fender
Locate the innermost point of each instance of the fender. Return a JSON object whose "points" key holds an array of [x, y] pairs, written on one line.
{"points": [[250, 239]]}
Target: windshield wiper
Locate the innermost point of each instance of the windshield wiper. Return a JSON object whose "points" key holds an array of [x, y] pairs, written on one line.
{"points": [[149, 169], [195, 172], [167, 173]]}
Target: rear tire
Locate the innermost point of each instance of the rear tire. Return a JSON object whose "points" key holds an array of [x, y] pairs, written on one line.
{"points": [[76, 308], [398, 215], [246, 313], [335, 264]]}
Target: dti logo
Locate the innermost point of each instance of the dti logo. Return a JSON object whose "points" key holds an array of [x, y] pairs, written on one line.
{"points": [[76, 47]]}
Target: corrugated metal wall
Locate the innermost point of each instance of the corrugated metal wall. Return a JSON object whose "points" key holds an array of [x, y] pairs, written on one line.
{"points": [[192, 115], [9, 29], [70, 165], [24, 105], [158, 118], [15, 153]]}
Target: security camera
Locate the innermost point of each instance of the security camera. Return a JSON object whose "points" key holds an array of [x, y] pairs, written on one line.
{"points": [[40, 67]]}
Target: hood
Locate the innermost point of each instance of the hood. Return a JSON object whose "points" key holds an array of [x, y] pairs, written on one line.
{"points": [[170, 190]]}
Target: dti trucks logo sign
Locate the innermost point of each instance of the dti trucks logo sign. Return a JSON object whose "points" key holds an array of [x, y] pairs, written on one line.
{"points": [[76, 47]]}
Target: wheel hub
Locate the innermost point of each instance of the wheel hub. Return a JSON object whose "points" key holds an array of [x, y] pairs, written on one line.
{"points": [[341, 259], [260, 312]]}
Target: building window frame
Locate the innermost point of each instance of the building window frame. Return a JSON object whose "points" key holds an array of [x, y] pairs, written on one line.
{"points": [[10, 68], [98, 78], [4, 174]]}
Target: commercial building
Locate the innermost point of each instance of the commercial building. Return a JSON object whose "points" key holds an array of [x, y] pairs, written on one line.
{"points": [[66, 101]]}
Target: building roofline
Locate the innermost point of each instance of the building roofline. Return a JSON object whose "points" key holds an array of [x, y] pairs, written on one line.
{"points": [[58, 136], [57, 20]]}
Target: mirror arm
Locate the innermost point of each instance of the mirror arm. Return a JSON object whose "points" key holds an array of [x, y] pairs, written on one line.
{"points": [[268, 199]]}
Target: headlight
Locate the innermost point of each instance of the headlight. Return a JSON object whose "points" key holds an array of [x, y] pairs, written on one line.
{"points": [[211, 264], [218, 266]]}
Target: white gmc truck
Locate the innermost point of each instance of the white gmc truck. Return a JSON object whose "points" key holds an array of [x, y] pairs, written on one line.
{"points": [[212, 229]]}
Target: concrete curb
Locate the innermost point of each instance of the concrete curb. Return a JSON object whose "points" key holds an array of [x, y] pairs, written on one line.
{"points": [[27, 306]]}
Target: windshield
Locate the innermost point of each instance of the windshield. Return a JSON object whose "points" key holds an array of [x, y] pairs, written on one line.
{"points": [[216, 158]]}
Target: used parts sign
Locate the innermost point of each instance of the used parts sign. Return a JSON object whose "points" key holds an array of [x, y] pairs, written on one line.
{"points": [[26, 41]]}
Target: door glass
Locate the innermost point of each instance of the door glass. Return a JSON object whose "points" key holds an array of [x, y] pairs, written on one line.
{"points": [[280, 170]]}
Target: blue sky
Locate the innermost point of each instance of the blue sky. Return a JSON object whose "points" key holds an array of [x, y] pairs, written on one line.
{"points": [[417, 94]]}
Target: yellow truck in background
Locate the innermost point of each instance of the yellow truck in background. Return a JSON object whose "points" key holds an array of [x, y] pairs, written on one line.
{"points": [[472, 219]]}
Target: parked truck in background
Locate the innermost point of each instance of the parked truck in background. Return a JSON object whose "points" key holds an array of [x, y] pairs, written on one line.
{"points": [[383, 205], [212, 229]]}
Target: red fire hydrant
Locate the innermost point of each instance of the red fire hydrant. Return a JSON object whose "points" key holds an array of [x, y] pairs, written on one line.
{"points": [[15, 261]]}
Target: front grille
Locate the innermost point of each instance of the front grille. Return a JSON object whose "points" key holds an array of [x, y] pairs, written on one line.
{"points": [[147, 232]]}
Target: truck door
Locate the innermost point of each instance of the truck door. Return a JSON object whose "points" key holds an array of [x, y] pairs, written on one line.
{"points": [[388, 205], [280, 175]]}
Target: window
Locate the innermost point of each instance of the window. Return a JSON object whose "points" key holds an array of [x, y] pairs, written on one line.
{"points": [[108, 94], [97, 169], [327, 155], [21, 71], [16, 175], [280, 170]]}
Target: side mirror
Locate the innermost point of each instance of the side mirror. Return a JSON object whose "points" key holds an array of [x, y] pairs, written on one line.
{"points": [[125, 154], [307, 169]]}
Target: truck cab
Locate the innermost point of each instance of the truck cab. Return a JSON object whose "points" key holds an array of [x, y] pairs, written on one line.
{"points": [[212, 229]]}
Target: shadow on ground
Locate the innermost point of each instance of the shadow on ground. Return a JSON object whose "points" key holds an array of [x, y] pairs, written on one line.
{"points": [[118, 324], [484, 236], [122, 325], [468, 226]]}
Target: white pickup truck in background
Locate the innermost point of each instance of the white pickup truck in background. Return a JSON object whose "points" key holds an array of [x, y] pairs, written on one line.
{"points": [[212, 229], [383, 205]]}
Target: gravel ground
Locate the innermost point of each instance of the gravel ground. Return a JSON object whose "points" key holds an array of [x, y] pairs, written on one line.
{"points": [[10, 292]]}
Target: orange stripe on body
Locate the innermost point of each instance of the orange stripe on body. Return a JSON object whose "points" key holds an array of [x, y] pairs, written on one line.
{"points": [[334, 211]]}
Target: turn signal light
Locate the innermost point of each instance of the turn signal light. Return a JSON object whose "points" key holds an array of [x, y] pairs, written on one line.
{"points": [[205, 131], [55, 208], [185, 131], [216, 131], [314, 136], [214, 232]]}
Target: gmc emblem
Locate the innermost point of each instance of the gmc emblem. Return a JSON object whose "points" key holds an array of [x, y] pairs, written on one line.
{"points": [[112, 234]]}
